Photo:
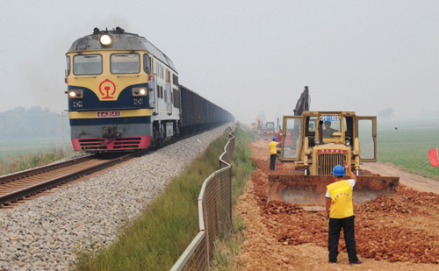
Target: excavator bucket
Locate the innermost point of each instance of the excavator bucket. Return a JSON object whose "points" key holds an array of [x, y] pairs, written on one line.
{"points": [[311, 190]]}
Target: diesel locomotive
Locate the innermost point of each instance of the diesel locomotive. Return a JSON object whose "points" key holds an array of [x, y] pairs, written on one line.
{"points": [[124, 94]]}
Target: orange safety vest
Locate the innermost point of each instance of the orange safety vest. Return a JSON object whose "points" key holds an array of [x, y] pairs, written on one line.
{"points": [[272, 147], [341, 199]]}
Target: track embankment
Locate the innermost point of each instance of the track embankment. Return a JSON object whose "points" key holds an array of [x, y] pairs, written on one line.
{"points": [[391, 234], [46, 233]]}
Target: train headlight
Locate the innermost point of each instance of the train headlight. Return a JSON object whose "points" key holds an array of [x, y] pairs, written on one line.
{"points": [[106, 40], [76, 94], [140, 91]]}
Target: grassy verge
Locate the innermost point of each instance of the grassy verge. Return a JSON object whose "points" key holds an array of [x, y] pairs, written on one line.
{"points": [[227, 251], [408, 148], [35, 159], [156, 239]]}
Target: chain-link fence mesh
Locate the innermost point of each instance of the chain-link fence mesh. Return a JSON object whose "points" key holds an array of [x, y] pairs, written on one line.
{"points": [[214, 213]]}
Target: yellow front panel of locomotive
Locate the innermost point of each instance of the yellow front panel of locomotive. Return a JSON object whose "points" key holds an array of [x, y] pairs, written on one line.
{"points": [[107, 86]]}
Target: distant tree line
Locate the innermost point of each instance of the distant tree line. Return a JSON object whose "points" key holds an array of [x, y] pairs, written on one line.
{"points": [[34, 122], [387, 113]]}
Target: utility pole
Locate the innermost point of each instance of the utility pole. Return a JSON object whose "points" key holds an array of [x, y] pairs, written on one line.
{"points": [[63, 141]]}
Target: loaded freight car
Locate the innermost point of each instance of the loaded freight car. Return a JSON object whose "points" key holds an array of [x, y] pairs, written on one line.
{"points": [[124, 95], [198, 114]]}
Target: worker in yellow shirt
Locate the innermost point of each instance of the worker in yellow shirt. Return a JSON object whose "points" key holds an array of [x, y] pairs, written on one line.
{"points": [[273, 152], [340, 212]]}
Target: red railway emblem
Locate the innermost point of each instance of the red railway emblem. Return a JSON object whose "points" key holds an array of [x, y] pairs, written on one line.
{"points": [[109, 87]]}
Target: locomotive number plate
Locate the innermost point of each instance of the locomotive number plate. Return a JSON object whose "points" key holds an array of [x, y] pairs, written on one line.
{"points": [[107, 114]]}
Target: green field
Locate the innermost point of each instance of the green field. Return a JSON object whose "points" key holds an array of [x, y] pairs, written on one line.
{"points": [[408, 146], [10, 148]]}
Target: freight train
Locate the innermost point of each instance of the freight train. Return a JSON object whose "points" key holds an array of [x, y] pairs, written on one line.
{"points": [[124, 94]]}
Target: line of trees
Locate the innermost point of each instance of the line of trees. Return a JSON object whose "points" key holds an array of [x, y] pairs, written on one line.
{"points": [[34, 122], [387, 113]]}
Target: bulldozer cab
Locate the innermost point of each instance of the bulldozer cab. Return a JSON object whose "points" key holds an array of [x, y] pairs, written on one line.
{"points": [[316, 129], [270, 127], [318, 141]]}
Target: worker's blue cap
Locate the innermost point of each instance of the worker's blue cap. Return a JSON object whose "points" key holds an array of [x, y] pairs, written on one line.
{"points": [[338, 171], [274, 138]]}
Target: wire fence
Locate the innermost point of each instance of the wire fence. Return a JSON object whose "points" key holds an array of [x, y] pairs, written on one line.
{"points": [[214, 213]]}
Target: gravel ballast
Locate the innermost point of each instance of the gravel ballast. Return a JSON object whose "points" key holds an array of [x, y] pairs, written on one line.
{"points": [[45, 233]]}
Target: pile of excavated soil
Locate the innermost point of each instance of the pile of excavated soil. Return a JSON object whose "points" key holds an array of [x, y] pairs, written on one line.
{"points": [[400, 232]]}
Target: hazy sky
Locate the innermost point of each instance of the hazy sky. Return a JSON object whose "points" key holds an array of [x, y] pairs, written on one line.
{"points": [[245, 56]]}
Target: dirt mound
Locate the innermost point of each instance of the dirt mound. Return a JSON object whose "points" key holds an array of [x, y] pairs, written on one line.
{"points": [[383, 204], [383, 225]]}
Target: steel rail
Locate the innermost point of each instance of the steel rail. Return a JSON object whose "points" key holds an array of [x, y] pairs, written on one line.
{"points": [[39, 170], [25, 192]]}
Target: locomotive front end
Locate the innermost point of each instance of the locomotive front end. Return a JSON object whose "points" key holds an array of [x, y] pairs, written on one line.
{"points": [[108, 77]]}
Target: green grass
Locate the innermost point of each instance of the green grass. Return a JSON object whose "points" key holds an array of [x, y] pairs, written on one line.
{"points": [[33, 159], [227, 251], [408, 147], [10, 148], [156, 239]]}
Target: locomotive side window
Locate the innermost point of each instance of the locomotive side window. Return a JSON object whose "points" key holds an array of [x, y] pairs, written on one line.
{"points": [[68, 65], [125, 63], [160, 92], [168, 76], [87, 64], [146, 63], [176, 99]]}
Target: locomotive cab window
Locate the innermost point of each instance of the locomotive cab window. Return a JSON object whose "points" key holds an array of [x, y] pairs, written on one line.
{"points": [[68, 66], [125, 63], [87, 64], [147, 63]]}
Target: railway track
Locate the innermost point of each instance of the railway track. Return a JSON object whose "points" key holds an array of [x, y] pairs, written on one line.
{"points": [[23, 185]]}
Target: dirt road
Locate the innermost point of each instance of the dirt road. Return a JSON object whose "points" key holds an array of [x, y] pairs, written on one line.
{"points": [[417, 182], [402, 234]]}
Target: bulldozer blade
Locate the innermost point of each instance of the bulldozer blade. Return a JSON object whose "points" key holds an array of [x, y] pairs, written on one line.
{"points": [[311, 190]]}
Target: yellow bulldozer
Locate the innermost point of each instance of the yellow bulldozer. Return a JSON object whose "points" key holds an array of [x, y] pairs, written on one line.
{"points": [[316, 141], [254, 127], [270, 128]]}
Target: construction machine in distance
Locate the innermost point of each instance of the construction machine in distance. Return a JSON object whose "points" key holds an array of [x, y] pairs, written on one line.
{"points": [[270, 128], [254, 127], [262, 129], [317, 141]]}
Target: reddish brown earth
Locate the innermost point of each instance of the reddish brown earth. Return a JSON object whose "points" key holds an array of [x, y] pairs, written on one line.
{"points": [[391, 234]]}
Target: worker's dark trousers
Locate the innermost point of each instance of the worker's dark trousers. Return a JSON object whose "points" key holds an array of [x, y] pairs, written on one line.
{"points": [[272, 161], [348, 226]]}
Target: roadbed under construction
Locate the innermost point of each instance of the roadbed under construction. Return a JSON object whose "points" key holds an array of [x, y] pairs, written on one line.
{"points": [[401, 232]]}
